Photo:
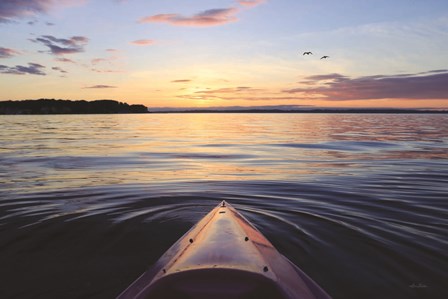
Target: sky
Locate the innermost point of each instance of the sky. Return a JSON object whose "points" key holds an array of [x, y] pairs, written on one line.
{"points": [[217, 53]]}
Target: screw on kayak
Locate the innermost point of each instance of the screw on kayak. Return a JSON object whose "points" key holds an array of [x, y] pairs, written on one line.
{"points": [[246, 239], [191, 240], [164, 270], [265, 269]]}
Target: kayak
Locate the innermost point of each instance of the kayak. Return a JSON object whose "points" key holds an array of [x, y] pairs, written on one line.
{"points": [[224, 256]]}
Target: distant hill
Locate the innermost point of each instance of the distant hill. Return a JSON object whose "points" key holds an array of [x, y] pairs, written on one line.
{"points": [[316, 110], [52, 106], [292, 109]]}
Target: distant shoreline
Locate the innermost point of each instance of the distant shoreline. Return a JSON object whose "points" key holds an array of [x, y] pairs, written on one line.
{"points": [[313, 111], [56, 107]]}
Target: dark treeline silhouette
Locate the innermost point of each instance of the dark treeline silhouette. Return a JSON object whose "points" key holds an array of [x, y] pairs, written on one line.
{"points": [[52, 106]]}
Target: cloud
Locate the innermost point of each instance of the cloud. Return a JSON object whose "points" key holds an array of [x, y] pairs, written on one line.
{"points": [[110, 64], [14, 9], [240, 93], [63, 59], [106, 71], [98, 60], [100, 86], [336, 87], [34, 22], [250, 3], [8, 53], [143, 42], [211, 17], [61, 46], [31, 69], [58, 69], [181, 81], [228, 90]]}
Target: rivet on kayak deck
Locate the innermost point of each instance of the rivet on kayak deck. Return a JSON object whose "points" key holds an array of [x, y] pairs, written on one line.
{"points": [[265, 269], [164, 270], [246, 239], [191, 240]]}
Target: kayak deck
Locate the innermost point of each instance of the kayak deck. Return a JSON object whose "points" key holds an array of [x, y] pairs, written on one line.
{"points": [[224, 256]]}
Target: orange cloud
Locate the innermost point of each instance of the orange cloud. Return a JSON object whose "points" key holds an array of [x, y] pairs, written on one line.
{"points": [[207, 18]]}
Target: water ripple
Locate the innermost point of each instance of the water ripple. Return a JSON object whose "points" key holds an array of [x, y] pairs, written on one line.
{"points": [[357, 201]]}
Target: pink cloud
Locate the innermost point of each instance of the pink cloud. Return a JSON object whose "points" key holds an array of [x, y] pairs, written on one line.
{"points": [[8, 53], [337, 87], [250, 3], [207, 18], [143, 42], [98, 60]]}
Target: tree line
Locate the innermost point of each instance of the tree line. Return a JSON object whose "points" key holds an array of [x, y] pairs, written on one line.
{"points": [[53, 106]]}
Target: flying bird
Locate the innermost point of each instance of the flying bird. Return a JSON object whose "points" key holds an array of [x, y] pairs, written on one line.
{"points": [[325, 57], [307, 53]]}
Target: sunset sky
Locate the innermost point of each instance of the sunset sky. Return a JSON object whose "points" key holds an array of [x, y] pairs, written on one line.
{"points": [[210, 53]]}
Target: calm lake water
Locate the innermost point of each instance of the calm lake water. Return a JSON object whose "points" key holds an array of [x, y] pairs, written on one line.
{"points": [[89, 202]]}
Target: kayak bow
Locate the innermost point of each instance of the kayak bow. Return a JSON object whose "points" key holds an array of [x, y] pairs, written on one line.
{"points": [[224, 256]]}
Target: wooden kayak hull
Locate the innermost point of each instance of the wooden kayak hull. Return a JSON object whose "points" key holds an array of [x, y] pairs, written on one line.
{"points": [[224, 256]]}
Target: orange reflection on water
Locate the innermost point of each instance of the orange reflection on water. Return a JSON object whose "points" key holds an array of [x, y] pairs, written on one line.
{"points": [[86, 150]]}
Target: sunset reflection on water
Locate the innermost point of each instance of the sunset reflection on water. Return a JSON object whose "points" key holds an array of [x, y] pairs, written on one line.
{"points": [[100, 197], [42, 152]]}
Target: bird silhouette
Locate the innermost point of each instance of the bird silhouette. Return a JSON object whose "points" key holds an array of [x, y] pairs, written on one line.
{"points": [[325, 57], [307, 53]]}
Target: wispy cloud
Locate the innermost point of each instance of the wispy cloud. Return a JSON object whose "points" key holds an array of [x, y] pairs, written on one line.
{"points": [[181, 81], [15, 9], [337, 87], [61, 46], [66, 60], [143, 42], [8, 53], [231, 90], [31, 69], [34, 22], [58, 69], [250, 3], [211, 17], [95, 61], [100, 86], [239, 93], [105, 71], [110, 64]]}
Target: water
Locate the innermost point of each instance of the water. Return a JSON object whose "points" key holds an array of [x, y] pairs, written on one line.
{"points": [[359, 202]]}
